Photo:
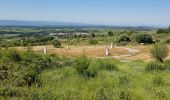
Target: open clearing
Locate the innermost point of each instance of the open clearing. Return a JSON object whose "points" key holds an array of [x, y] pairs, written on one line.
{"points": [[90, 51], [98, 51]]}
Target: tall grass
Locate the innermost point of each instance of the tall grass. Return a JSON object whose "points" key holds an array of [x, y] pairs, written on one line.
{"points": [[83, 78]]}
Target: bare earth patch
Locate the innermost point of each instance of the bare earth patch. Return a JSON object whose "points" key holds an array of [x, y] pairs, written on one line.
{"points": [[90, 51], [98, 51], [144, 54]]}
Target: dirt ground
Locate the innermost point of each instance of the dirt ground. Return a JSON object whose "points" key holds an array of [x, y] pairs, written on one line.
{"points": [[144, 54], [90, 51], [98, 51]]}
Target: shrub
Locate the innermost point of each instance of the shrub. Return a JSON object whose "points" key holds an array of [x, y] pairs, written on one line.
{"points": [[161, 31], [93, 68], [109, 66], [144, 38], [167, 40], [155, 66], [93, 35], [123, 43], [14, 55], [81, 64], [56, 43], [110, 33], [93, 41], [123, 38], [160, 51], [86, 67], [22, 69]]}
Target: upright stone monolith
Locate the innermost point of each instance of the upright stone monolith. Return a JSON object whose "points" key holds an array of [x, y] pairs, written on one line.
{"points": [[68, 47], [45, 49], [107, 51], [112, 46]]}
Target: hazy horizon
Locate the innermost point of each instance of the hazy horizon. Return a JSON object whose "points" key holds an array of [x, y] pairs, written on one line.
{"points": [[103, 12]]}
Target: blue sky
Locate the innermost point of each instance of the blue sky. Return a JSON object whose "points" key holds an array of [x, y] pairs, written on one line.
{"points": [[106, 12]]}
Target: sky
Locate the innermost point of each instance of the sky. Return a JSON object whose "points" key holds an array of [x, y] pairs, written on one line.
{"points": [[103, 12]]}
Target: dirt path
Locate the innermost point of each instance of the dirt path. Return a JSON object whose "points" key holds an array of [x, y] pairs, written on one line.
{"points": [[123, 58], [131, 52], [76, 50]]}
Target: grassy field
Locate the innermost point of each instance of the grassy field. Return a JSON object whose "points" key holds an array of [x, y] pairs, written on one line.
{"points": [[83, 72], [78, 50], [130, 82], [62, 78]]}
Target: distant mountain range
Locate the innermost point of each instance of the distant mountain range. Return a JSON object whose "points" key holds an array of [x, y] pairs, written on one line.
{"points": [[18, 23], [37, 23]]}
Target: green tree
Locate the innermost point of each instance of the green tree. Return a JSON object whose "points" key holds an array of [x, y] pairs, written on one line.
{"points": [[123, 38], [93, 35], [56, 43], [160, 51], [144, 38], [93, 41], [161, 31], [110, 33]]}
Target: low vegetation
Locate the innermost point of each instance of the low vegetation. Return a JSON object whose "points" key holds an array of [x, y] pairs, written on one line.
{"points": [[144, 38], [160, 51], [93, 41], [56, 43], [29, 75]]}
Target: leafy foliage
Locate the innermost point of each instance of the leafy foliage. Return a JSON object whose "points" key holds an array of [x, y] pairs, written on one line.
{"points": [[93, 35], [123, 38], [160, 51], [82, 64], [87, 67], [56, 43], [144, 38], [162, 31], [93, 41], [110, 33]]}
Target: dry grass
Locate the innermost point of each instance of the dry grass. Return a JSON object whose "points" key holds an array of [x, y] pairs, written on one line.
{"points": [[90, 51], [144, 54], [98, 51]]}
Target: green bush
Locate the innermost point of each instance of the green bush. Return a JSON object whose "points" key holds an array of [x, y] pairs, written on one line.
{"points": [[110, 33], [93, 41], [14, 55], [155, 66], [81, 64], [87, 67], [109, 66], [123, 43], [161, 31], [160, 51], [144, 38], [93, 35], [167, 40], [56, 43], [22, 68], [123, 38], [93, 68]]}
